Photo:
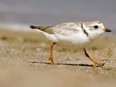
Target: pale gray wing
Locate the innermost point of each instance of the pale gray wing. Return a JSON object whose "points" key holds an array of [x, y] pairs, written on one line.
{"points": [[64, 28]]}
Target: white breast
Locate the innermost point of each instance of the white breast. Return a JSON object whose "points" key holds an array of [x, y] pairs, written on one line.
{"points": [[76, 40], [73, 40]]}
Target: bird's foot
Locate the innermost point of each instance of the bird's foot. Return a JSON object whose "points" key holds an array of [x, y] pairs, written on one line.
{"points": [[51, 61], [98, 64]]}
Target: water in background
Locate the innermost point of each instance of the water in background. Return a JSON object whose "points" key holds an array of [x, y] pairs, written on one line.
{"points": [[50, 12]]}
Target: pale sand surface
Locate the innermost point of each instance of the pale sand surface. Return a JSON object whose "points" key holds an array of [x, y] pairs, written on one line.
{"points": [[24, 63]]}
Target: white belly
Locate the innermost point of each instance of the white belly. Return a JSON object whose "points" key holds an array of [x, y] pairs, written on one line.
{"points": [[76, 45], [71, 40]]}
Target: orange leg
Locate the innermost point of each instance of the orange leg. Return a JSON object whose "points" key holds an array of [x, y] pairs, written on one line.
{"points": [[96, 63], [51, 53]]}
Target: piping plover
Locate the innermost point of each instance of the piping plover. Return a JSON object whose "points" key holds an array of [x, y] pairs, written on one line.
{"points": [[73, 35]]}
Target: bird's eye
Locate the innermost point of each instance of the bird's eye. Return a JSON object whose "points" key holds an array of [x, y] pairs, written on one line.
{"points": [[96, 27]]}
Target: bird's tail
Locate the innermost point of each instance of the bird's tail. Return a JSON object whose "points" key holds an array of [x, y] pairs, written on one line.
{"points": [[42, 28], [47, 29]]}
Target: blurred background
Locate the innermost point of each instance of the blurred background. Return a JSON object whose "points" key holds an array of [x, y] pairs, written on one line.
{"points": [[24, 56], [20, 13]]}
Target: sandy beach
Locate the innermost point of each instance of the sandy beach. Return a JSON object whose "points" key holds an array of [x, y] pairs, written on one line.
{"points": [[24, 62]]}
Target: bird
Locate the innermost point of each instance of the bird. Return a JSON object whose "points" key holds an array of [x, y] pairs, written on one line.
{"points": [[73, 35]]}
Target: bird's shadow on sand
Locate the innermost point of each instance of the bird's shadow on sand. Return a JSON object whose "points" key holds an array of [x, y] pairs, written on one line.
{"points": [[87, 65]]}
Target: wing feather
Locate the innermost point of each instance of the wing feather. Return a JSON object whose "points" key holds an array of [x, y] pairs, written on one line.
{"points": [[64, 28]]}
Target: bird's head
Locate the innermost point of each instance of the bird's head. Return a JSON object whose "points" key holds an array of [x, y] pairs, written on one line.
{"points": [[95, 29]]}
